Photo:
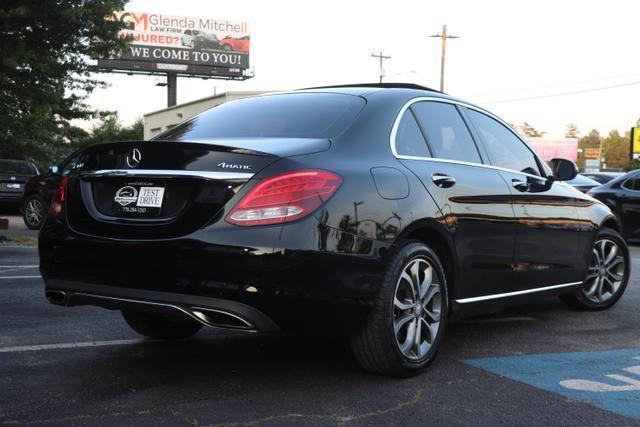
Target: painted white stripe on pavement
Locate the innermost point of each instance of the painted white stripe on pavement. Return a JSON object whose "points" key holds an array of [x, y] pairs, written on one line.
{"points": [[41, 347], [20, 277], [19, 266]]}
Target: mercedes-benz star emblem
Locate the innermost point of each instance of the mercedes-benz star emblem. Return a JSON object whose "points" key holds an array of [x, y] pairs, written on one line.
{"points": [[133, 158]]}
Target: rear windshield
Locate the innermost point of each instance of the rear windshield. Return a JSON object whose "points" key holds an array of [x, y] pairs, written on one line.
{"points": [[18, 168], [297, 115]]}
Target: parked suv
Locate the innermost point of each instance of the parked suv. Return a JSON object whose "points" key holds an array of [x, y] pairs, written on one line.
{"points": [[39, 190], [375, 212], [13, 176]]}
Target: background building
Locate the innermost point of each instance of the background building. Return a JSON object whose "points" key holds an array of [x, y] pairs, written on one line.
{"points": [[161, 120]]}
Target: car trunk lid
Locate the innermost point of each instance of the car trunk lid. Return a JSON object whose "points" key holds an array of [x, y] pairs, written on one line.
{"points": [[164, 189]]}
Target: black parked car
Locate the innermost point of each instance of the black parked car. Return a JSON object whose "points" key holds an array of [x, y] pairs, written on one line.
{"points": [[622, 196], [583, 183], [40, 189], [13, 176], [603, 177], [375, 212]]}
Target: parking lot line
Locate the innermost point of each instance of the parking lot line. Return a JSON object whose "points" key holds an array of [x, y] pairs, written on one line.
{"points": [[41, 347], [19, 266], [20, 277]]}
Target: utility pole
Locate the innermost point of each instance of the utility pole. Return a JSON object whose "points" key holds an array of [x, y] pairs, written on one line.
{"points": [[381, 57], [172, 88], [444, 36]]}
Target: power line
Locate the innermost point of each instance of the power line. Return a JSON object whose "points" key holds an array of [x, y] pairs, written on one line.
{"points": [[552, 86], [381, 57], [553, 95]]}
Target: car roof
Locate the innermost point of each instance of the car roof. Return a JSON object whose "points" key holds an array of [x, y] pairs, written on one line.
{"points": [[582, 180], [405, 91]]}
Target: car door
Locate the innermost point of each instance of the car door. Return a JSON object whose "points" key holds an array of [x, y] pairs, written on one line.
{"points": [[546, 216], [473, 198]]}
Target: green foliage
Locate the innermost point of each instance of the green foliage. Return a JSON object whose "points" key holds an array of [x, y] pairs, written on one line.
{"points": [[109, 129], [633, 165], [590, 140], [44, 74], [530, 131], [615, 149], [572, 131]]}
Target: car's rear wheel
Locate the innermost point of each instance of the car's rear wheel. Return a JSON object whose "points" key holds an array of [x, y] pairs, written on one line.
{"points": [[607, 276], [406, 323], [33, 212], [161, 326]]}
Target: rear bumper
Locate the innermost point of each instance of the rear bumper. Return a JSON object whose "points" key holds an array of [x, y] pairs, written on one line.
{"points": [[212, 312], [296, 289], [11, 198]]}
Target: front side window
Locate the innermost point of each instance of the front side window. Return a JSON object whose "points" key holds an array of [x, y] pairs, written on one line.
{"points": [[504, 148], [409, 140], [446, 132]]}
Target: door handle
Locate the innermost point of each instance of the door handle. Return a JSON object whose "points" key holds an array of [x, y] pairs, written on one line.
{"points": [[520, 185], [442, 180]]}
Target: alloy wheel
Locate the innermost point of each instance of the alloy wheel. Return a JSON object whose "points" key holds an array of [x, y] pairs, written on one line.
{"points": [[34, 212], [606, 272], [417, 308]]}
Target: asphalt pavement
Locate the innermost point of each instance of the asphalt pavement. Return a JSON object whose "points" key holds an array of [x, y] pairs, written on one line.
{"points": [[539, 364]]}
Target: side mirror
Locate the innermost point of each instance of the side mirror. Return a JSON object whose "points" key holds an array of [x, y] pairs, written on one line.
{"points": [[53, 169], [563, 169]]}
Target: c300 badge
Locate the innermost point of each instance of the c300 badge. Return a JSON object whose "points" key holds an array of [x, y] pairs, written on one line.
{"points": [[126, 195]]}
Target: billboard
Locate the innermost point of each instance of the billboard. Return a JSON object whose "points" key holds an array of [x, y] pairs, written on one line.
{"points": [[182, 43], [635, 142], [555, 148]]}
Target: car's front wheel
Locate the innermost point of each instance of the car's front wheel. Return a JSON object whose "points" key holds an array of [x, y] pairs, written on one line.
{"points": [[406, 323], [607, 276], [161, 326], [33, 212]]}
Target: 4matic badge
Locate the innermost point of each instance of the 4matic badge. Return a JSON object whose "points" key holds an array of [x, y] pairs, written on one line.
{"points": [[126, 195]]}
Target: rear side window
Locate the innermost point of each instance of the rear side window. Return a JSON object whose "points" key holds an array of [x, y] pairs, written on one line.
{"points": [[18, 168], [409, 139], [446, 132], [504, 148], [296, 115], [632, 183]]}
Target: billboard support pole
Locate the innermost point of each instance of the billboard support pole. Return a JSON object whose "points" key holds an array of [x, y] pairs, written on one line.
{"points": [[172, 83]]}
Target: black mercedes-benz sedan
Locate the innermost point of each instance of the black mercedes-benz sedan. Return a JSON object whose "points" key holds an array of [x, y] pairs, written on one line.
{"points": [[622, 196], [376, 212]]}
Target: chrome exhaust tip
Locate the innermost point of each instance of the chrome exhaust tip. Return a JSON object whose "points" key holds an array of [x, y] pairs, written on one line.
{"points": [[56, 297], [220, 319]]}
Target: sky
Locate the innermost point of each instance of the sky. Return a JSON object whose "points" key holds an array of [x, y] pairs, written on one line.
{"points": [[549, 63]]}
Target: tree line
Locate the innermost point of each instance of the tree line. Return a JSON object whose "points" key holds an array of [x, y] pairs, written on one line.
{"points": [[615, 147]]}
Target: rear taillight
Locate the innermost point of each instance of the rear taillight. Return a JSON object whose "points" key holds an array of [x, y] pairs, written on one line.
{"points": [[285, 198], [58, 200]]}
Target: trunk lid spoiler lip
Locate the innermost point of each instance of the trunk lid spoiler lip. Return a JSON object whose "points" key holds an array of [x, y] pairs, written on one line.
{"points": [[219, 175]]}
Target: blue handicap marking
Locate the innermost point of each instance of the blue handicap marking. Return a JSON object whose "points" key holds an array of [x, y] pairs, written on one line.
{"points": [[607, 379]]}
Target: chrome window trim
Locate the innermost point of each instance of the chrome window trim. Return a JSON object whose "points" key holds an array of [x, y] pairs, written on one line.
{"points": [[516, 293], [405, 107], [167, 173]]}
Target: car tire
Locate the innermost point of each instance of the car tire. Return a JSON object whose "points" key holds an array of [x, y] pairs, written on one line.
{"points": [[384, 344], [606, 281], [33, 212], [161, 326]]}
